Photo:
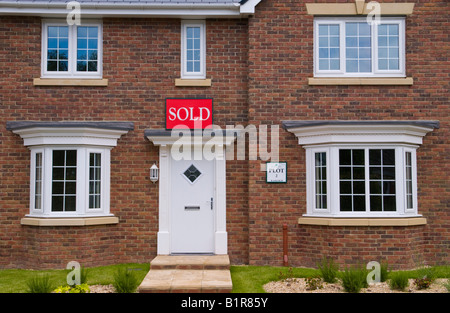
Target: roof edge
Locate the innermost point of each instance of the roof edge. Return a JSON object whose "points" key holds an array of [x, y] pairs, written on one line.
{"points": [[19, 125], [49, 9], [303, 124]]}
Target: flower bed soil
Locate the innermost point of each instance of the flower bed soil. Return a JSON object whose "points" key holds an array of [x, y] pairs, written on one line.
{"points": [[298, 285]]}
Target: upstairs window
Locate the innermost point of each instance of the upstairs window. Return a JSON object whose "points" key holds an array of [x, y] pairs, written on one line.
{"points": [[193, 50], [71, 51], [352, 47]]}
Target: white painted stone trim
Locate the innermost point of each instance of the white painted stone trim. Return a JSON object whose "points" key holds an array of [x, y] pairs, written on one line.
{"points": [[342, 133], [37, 136]]}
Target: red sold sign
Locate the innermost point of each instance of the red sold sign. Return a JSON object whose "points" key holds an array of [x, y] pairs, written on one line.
{"points": [[193, 113]]}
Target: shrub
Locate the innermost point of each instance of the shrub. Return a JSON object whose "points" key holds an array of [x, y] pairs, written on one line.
{"points": [[39, 284], [384, 271], [289, 275], [398, 280], [423, 283], [427, 272], [313, 283], [426, 276], [328, 270], [353, 279], [83, 275], [82, 288], [125, 281]]}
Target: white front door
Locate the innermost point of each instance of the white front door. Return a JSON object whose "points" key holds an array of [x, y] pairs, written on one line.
{"points": [[192, 206]]}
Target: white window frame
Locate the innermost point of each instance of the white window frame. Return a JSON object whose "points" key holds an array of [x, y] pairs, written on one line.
{"points": [[413, 177], [311, 188], [401, 72], [104, 180], [72, 59], [202, 73], [333, 186], [85, 138], [33, 209], [82, 182]]}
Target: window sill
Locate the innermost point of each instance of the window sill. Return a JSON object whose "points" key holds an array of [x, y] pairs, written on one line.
{"points": [[75, 221], [192, 82], [360, 81], [326, 221], [70, 82]]}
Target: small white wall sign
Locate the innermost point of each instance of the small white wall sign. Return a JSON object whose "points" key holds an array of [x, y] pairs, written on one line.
{"points": [[276, 172]]}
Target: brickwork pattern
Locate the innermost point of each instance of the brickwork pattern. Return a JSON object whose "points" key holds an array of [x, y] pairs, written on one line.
{"points": [[281, 60], [259, 69], [141, 59]]}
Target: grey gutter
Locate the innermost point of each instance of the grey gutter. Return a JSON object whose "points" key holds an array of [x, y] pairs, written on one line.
{"points": [[298, 124], [176, 132], [120, 6], [16, 125]]}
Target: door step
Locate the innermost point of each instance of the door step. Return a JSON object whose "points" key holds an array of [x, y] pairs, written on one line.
{"points": [[188, 273]]}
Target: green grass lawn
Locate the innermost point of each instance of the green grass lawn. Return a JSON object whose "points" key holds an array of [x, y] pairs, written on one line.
{"points": [[250, 279], [15, 280], [246, 279]]}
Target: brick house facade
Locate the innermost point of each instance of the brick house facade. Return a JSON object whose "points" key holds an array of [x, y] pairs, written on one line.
{"points": [[260, 70]]}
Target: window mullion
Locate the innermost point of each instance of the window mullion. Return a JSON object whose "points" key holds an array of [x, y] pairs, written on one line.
{"points": [[374, 44], [342, 47], [47, 179], [400, 181], [82, 181], [334, 189], [72, 49], [367, 178]]}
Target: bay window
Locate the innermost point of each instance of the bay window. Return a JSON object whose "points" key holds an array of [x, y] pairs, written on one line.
{"points": [[361, 169], [70, 166], [69, 181], [363, 180]]}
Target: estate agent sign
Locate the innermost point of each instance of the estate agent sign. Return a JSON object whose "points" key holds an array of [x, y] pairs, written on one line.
{"points": [[191, 113]]}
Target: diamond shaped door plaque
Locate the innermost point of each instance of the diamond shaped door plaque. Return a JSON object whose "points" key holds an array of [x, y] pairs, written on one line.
{"points": [[192, 173]]}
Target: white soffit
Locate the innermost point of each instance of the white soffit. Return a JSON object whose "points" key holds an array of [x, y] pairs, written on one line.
{"points": [[131, 9], [69, 133], [354, 132]]}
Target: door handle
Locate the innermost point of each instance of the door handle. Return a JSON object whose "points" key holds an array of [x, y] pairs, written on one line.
{"points": [[211, 202]]}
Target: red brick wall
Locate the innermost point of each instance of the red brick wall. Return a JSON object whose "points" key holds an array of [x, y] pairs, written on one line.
{"points": [[259, 70], [280, 62], [141, 61]]}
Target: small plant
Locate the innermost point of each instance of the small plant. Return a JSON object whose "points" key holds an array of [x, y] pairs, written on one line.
{"points": [[40, 284], [82, 288], [423, 283], [353, 279], [286, 276], [384, 271], [83, 275], [328, 270], [427, 272], [125, 281], [398, 280], [426, 276], [313, 283]]}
